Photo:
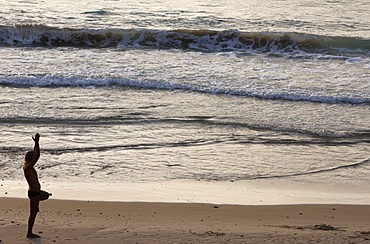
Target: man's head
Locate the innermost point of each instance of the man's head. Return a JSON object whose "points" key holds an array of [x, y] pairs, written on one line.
{"points": [[29, 156]]}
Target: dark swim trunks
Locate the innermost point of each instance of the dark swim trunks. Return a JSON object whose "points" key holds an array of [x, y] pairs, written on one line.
{"points": [[32, 194]]}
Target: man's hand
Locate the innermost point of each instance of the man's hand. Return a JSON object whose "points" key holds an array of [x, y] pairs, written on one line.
{"points": [[36, 138]]}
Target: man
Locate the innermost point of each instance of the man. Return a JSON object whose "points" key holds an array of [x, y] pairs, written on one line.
{"points": [[35, 194]]}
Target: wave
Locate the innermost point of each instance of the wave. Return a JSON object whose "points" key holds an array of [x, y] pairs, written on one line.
{"points": [[313, 137], [239, 177], [186, 39], [320, 171], [267, 93]]}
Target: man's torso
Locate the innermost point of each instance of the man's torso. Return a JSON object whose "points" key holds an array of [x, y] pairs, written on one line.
{"points": [[31, 177]]}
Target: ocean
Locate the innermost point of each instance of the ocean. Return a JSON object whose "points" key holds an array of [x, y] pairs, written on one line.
{"points": [[155, 91]]}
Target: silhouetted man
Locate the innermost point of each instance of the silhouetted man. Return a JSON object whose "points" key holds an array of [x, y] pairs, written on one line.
{"points": [[35, 194]]}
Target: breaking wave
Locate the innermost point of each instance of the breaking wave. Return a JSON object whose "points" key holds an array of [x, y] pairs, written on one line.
{"points": [[262, 93], [202, 40]]}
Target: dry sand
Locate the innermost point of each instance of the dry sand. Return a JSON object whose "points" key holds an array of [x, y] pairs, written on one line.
{"points": [[65, 221]]}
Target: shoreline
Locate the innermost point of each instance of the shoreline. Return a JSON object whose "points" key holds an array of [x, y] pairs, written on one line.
{"points": [[62, 221], [264, 192]]}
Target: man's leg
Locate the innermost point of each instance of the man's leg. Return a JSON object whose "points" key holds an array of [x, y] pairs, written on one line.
{"points": [[34, 208], [44, 195]]}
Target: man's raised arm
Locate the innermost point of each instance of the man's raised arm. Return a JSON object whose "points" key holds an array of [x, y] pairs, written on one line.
{"points": [[36, 149]]}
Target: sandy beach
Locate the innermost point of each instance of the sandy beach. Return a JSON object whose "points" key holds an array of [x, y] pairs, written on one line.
{"points": [[67, 221]]}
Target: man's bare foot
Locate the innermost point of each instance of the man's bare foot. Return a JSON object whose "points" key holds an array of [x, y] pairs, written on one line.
{"points": [[31, 235]]}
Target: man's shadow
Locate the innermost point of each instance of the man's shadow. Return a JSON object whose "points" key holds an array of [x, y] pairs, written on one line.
{"points": [[35, 240]]}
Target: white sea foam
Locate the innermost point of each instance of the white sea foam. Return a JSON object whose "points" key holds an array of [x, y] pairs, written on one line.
{"points": [[264, 93]]}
